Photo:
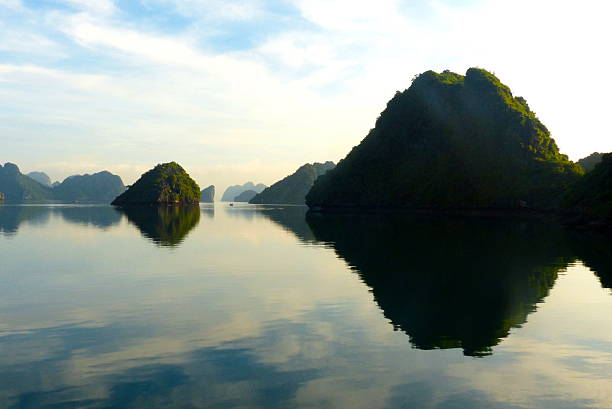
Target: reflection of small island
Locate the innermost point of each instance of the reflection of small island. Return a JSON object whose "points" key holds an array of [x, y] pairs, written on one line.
{"points": [[164, 225], [450, 283]]}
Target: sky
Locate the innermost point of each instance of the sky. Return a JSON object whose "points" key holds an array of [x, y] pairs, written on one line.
{"points": [[239, 90]]}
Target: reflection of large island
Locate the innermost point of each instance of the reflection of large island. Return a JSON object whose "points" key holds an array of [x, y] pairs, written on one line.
{"points": [[164, 225], [449, 283]]}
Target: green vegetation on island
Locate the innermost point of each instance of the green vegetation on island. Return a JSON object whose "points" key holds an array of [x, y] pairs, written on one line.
{"points": [[589, 163], [208, 195], [166, 183], [233, 191], [451, 142], [293, 188], [99, 187], [245, 196], [589, 202]]}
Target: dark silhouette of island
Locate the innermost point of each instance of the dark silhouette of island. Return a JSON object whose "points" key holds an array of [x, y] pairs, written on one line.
{"points": [[450, 282], [99, 187], [40, 177], [166, 226], [589, 201], [233, 191], [451, 141], [245, 196], [18, 187], [166, 183], [589, 163], [207, 195], [293, 188]]}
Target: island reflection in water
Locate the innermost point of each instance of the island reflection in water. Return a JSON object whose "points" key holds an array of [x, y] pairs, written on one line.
{"points": [[450, 282], [166, 226], [256, 307]]}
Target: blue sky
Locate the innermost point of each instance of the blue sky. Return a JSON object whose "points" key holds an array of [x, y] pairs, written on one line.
{"points": [[251, 89]]}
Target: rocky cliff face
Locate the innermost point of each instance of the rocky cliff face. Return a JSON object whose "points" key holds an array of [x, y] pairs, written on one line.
{"points": [[208, 195]]}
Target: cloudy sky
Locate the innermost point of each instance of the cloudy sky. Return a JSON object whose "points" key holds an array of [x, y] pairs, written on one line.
{"points": [[239, 90]]}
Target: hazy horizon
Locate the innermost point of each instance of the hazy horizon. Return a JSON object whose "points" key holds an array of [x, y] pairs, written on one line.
{"points": [[250, 90]]}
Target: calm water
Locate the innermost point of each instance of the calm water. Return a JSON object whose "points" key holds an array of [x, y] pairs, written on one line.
{"points": [[265, 307]]}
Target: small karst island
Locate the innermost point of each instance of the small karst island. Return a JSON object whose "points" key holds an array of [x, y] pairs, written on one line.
{"points": [[448, 142], [165, 184]]}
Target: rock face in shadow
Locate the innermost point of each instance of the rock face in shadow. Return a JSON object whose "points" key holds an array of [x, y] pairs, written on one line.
{"points": [[233, 191], [450, 282], [100, 187], [589, 163], [40, 177], [293, 188], [451, 141], [166, 226], [166, 183], [245, 196], [589, 202], [18, 187], [207, 195]]}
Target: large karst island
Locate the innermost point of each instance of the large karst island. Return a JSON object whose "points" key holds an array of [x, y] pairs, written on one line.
{"points": [[451, 142], [165, 184]]}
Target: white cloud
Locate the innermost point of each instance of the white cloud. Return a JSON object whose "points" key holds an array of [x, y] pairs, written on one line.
{"points": [[98, 7]]}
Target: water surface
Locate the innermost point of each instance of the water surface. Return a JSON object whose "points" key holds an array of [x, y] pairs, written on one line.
{"points": [[267, 307]]}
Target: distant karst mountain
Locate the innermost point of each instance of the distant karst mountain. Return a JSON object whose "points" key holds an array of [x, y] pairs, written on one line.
{"points": [[245, 196], [18, 187], [208, 195], [166, 183], [233, 191], [590, 199], [451, 141], [293, 188], [40, 177], [589, 163], [99, 187]]}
